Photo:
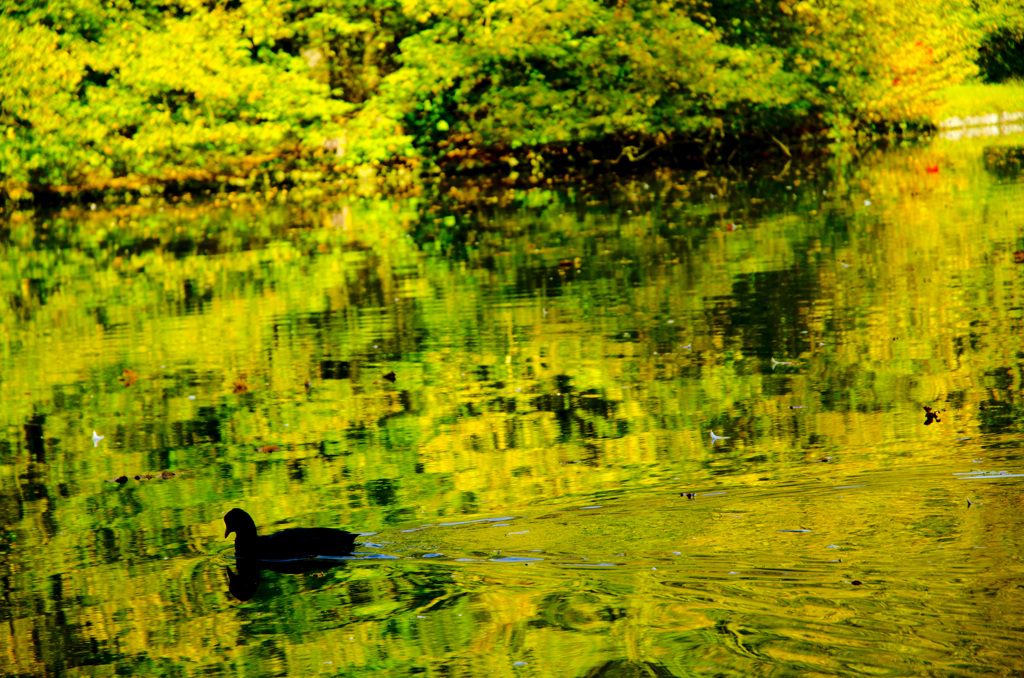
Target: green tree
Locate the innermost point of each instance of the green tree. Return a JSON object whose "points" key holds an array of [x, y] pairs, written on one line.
{"points": [[108, 95]]}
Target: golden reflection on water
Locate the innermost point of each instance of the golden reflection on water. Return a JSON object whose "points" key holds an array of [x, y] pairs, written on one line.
{"points": [[521, 428]]}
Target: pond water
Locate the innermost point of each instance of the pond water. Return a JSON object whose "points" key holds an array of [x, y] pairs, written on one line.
{"points": [[671, 426]]}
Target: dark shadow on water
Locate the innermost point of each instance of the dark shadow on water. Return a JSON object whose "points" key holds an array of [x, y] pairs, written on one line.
{"points": [[622, 668], [244, 580]]}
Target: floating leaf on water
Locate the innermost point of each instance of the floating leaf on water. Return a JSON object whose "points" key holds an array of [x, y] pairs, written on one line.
{"points": [[120, 480], [128, 377], [390, 376], [268, 448]]}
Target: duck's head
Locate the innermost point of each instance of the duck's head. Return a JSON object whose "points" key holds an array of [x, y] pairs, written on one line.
{"points": [[239, 522]]}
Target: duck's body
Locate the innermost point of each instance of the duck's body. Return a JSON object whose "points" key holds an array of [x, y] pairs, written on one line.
{"points": [[294, 544]]}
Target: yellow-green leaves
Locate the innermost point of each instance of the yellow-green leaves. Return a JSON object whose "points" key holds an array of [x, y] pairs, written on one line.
{"points": [[37, 76], [96, 93]]}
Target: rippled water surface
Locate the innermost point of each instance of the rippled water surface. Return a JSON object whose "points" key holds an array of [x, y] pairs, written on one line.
{"points": [[727, 423]]}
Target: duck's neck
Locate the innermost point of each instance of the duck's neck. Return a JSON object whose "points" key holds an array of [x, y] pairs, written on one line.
{"points": [[245, 548], [246, 541]]}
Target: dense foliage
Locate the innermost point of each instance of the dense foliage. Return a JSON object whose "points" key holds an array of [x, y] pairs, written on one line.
{"points": [[1001, 54], [107, 94]]}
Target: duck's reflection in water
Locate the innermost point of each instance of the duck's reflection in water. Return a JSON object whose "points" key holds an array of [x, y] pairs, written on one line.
{"points": [[295, 551], [243, 582]]}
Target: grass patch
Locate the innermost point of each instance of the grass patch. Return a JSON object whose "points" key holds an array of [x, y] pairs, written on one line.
{"points": [[977, 98]]}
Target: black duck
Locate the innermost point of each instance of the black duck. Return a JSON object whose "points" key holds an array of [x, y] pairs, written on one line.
{"points": [[294, 544]]}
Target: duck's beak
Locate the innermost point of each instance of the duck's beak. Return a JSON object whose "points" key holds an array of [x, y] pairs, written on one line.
{"points": [[227, 530]]}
